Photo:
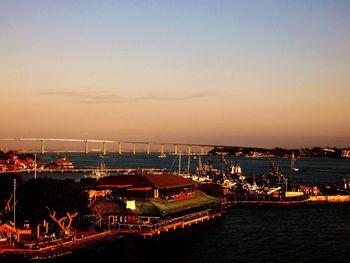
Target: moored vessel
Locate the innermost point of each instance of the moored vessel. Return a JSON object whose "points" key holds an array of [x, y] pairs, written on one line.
{"points": [[292, 164], [99, 172]]}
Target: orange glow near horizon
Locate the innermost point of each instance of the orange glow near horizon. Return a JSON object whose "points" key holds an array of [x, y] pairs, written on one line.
{"points": [[231, 74]]}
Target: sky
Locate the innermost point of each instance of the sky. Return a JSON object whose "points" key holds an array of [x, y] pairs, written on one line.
{"points": [[247, 73]]}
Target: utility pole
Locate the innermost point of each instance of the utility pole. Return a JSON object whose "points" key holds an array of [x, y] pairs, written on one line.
{"points": [[34, 165], [14, 203]]}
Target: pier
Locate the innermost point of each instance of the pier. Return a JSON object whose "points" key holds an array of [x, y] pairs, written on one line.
{"points": [[149, 230]]}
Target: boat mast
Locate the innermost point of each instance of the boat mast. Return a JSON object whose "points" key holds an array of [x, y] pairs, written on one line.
{"points": [[200, 167], [179, 162], [222, 164], [188, 164]]}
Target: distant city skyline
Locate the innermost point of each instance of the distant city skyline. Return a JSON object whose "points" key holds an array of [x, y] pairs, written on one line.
{"points": [[243, 73]]}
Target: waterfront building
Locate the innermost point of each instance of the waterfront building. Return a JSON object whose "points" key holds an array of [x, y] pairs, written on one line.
{"points": [[61, 164], [146, 199]]}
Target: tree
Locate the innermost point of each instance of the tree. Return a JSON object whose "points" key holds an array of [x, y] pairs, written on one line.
{"points": [[62, 196], [62, 222]]}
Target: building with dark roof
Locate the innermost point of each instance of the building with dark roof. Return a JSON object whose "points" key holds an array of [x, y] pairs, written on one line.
{"points": [[166, 186], [146, 198]]}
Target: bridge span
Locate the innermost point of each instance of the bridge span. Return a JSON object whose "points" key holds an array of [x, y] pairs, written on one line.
{"points": [[118, 145]]}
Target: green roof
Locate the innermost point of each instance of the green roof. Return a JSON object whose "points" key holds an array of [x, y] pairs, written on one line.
{"points": [[147, 208], [160, 207]]}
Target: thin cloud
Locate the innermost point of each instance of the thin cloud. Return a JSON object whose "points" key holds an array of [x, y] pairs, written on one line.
{"points": [[174, 97], [89, 97], [104, 97]]}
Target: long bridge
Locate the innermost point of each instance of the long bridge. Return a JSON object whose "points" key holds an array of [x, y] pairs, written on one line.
{"points": [[119, 144]]}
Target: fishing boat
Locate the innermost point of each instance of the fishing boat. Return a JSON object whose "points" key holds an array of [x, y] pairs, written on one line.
{"points": [[270, 188]]}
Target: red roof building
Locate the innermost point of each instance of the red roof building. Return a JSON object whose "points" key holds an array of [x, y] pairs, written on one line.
{"points": [[64, 163], [166, 186], [142, 200]]}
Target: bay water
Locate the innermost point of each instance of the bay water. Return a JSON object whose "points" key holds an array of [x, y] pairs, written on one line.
{"points": [[295, 233]]}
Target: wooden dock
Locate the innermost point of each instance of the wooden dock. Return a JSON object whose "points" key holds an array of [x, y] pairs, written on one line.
{"points": [[166, 226], [329, 199]]}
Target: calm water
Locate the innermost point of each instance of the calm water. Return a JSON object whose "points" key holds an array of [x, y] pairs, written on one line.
{"points": [[313, 171], [314, 233], [302, 233]]}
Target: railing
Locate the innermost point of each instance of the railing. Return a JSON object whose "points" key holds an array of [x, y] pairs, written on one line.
{"points": [[165, 223]]}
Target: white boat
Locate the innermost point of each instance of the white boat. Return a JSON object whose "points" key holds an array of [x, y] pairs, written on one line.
{"points": [[228, 184], [98, 173], [163, 155], [292, 165]]}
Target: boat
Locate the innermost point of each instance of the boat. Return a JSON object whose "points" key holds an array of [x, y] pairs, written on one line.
{"points": [[292, 164], [163, 155], [99, 172], [270, 188], [332, 193]]}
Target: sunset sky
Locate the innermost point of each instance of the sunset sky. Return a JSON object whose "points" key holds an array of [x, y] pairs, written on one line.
{"points": [[247, 73]]}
